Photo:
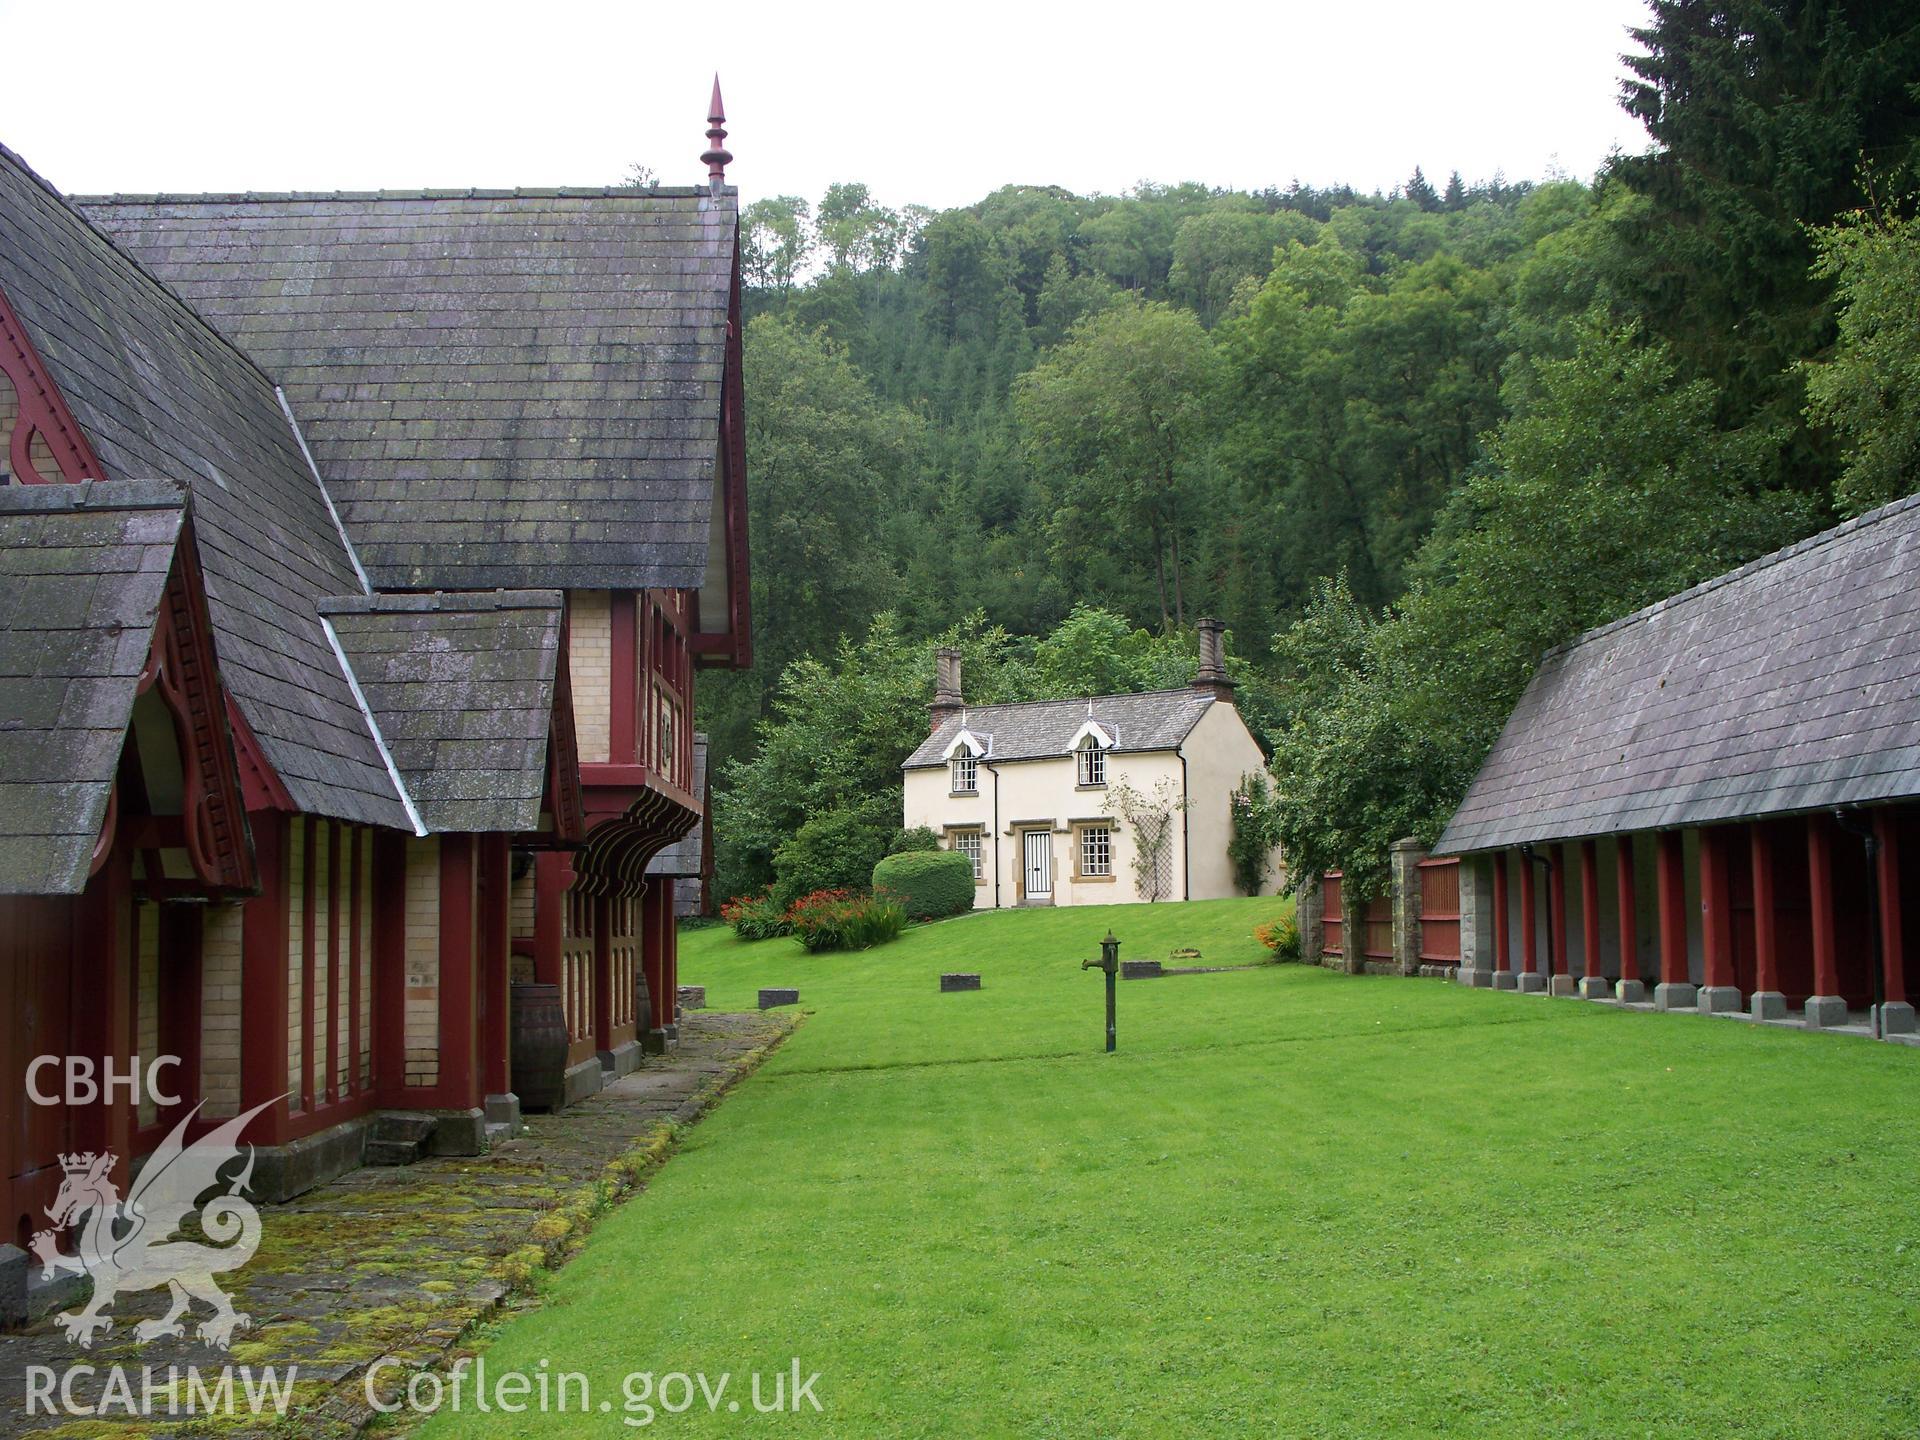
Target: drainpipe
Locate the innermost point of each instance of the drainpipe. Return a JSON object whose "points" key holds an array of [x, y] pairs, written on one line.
{"points": [[1186, 850], [1849, 821], [996, 830]]}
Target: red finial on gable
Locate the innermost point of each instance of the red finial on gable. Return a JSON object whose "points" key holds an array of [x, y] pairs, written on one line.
{"points": [[717, 154]]}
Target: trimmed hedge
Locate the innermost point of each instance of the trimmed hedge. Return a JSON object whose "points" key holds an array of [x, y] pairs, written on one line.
{"points": [[929, 884]]}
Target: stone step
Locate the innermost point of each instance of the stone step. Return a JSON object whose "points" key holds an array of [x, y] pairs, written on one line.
{"points": [[400, 1126], [392, 1152]]}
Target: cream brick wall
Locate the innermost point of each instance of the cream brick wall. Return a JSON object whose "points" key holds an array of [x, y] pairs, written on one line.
{"points": [[590, 662], [422, 1028], [220, 1010]]}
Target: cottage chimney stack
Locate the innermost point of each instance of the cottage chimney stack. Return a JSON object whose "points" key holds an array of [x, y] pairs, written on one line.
{"points": [[947, 696], [1212, 675], [717, 155]]}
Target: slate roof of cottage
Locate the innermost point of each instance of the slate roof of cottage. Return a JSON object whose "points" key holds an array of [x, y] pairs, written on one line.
{"points": [[686, 857], [1044, 729], [1790, 684], [83, 568], [462, 688], [503, 387], [161, 395]]}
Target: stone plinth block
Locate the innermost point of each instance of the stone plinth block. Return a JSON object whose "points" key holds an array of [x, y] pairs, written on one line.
{"points": [[1505, 980], [1474, 977], [1530, 982], [1675, 995], [1563, 985], [1896, 1018], [1825, 1011], [1595, 987], [1719, 999], [770, 998], [958, 982], [1630, 992], [693, 997], [1767, 1005], [1141, 969]]}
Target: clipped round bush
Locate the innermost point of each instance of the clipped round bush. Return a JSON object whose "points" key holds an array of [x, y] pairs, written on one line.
{"points": [[929, 884]]}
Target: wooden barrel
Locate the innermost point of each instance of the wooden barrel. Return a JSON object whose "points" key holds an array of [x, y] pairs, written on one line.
{"points": [[642, 1003], [539, 1030]]}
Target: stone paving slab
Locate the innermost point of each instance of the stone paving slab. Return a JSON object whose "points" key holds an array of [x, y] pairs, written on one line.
{"points": [[401, 1262]]}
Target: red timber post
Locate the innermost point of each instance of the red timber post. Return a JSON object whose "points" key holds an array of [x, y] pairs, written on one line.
{"points": [[1722, 992], [1767, 1002], [603, 980], [459, 1084], [263, 984], [1593, 983], [1675, 990], [332, 1083], [356, 958], [390, 967], [653, 1026], [1558, 960], [1896, 1014], [1826, 1006], [1530, 977], [672, 939], [496, 967], [1630, 990], [552, 878], [1503, 978], [310, 831], [104, 1010]]}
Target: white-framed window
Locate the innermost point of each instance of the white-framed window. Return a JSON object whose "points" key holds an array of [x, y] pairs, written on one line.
{"points": [[1093, 764], [1096, 850], [967, 842], [966, 774]]}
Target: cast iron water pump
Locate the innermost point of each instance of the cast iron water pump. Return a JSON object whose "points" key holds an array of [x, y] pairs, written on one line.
{"points": [[1109, 961]]}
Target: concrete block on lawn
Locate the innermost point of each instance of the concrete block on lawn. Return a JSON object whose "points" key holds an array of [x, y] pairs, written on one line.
{"points": [[1630, 992], [13, 1285], [1675, 995], [1825, 1011], [1897, 1018], [958, 981], [1595, 987], [1530, 982], [693, 997], [1767, 1005], [1141, 969], [1505, 980], [1719, 999], [775, 997], [1562, 985]]}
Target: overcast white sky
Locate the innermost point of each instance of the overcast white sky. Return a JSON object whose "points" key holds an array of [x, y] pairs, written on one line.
{"points": [[936, 103]]}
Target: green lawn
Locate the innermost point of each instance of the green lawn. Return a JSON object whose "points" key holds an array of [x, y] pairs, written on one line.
{"points": [[1294, 1203]]}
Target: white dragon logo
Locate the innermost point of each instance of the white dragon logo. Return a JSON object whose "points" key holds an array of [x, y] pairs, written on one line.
{"points": [[136, 1245]]}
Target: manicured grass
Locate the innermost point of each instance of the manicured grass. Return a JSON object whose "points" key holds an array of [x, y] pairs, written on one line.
{"points": [[1294, 1203]]}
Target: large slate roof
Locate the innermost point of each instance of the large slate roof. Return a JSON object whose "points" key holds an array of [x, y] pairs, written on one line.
{"points": [[513, 388], [161, 395], [462, 688], [1044, 729], [686, 857], [83, 568], [1790, 684]]}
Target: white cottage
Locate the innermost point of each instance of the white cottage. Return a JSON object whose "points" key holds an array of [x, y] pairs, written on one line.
{"points": [[1034, 793]]}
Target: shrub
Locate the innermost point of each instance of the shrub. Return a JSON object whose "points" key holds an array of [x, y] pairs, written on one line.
{"points": [[840, 920], [835, 850], [755, 917], [1256, 830], [1281, 936], [919, 838], [929, 884]]}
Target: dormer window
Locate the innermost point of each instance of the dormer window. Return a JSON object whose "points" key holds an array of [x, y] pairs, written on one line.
{"points": [[966, 773], [1093, 764]]}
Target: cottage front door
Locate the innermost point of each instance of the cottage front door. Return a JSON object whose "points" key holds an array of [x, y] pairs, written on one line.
{"points": [[1039, 864]]}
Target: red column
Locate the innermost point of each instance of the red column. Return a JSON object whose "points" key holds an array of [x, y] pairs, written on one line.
{"points": [[459, 1078], [672, 926], [1557, 918], [390, 966], [1590, 908], [1627, 901], [552, 876], [653, 961], [310, 833], [1671, 875], [332, 1087], [263, 983], [1502, 956], [103, 1007], [1892, 928], [1526, 914], [1716, 915], [1766, 929], [602, 973], [496, 964], [1826, 962]]}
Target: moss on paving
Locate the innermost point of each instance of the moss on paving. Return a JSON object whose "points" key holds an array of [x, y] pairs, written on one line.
{"points": [[1294, 1203]]}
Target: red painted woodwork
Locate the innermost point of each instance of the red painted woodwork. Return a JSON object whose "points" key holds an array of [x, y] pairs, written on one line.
{"points": [[1766, 930], [602, 910], [1716, 904], [308, 828], [1627, 904], [1670, 875], [1502, 952], [263, 984], [103, 1009], [389, 967], [552, 875], [1557, 912], [356, 958], [565, 799], [1886, 830], [41, 964], [458, 973], [1826, 966], [260, 783], [1590, 908], [1333, 916], [654, 937], [496, 973], [1526, 915], [1439, 910], [43, 411]]}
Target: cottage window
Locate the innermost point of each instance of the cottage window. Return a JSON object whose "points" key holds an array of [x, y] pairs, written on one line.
{"points": [[967, 842], [1093, 764], [966, 774], [1096, 851]]}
